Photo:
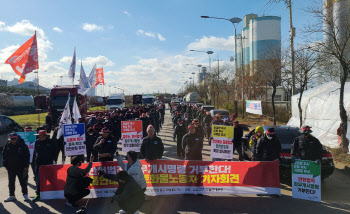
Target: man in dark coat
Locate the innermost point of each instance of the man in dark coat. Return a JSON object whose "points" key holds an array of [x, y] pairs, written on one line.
{"points": [[179, 132], [307, 147], [268, 147], [91, 137], [15, 158], [199, 128], [105, 146], [73, 190], [145, 123], [192, 144], [152, 147], [237, 139], [45, 153]]}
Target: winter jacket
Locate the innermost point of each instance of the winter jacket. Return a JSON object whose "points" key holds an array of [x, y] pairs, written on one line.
{"points": [[74, 177], [192, 144], [237, 135], [130, 195], [268, 150], [134, 170], [152, 149], [45, 152], [200, 131], [90, 140], [16, 156], [108, 146], [308, 148]]}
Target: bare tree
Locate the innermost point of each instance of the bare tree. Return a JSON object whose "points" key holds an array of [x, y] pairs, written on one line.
{"points": [[336, 31], [305, 61]]}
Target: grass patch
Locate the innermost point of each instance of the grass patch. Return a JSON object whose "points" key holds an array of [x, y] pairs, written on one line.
{"points": [[98, 108], [29, 119], [340, 156]]}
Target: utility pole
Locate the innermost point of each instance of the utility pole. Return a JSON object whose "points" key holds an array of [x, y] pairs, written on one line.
{"points": [[242, 78], [292, 35]]}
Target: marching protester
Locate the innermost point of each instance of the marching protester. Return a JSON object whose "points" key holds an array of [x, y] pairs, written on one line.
{"points": [[59, 143], [91, 137], [237, 139], [199, 128], [15, 158], [259, 132], [32, 164], [129, 195], [307, 147], [192, 144], [207, 122], [152, 147], [105, 146], [133, 167], [179, 132], [49, 123], [76, 188], [45, 153], [268, 147]]}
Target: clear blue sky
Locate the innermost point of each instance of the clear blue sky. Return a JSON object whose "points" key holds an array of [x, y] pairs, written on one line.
{"points": [[142, 45]]}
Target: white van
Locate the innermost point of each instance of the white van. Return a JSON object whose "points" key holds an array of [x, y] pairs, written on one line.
{"points": [[116, 101]]}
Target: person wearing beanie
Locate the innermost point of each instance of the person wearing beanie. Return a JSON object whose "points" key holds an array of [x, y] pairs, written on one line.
{"points": [[105, 146], [259, 132], [307, 147], [268, 147]]}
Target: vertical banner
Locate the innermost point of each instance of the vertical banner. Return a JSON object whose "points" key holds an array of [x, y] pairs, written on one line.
{"points": [[221, 144], [99, 76], [29, 139], [253, 107], [306, 180], [74, 137], [131, 135]]}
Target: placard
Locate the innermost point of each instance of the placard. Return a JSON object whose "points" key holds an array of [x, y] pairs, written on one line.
{"points": [[74, 138], [29, 138], [221, 144], [306, 177], [131, 135]]}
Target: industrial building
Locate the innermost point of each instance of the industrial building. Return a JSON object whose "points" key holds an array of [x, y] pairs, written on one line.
{"points": [[260, 41]]}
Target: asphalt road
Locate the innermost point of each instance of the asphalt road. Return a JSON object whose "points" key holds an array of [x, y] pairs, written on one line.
{"points": [[335, 196]]}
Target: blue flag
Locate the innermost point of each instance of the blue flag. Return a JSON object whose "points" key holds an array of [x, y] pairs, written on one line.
{"points": [[71, 73], [84, 85]]}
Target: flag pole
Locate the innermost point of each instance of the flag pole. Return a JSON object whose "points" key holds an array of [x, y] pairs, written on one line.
{"points": [[37, 89]]}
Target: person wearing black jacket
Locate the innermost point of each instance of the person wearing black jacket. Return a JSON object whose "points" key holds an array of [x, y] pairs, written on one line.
{"points": [[48, 122], [105, 146], [73, 190], [179, 132], [59, 144], [45, 153], [307, 147], [15, 158], [237, 139], [192, 144], [129, 195], [268, 147], [145, 123], [91, 137], [152, 147], [199, 128]]}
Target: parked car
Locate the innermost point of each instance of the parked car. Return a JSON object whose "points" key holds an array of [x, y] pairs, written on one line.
{"points": [[221, 112], [7, 125], [286, 135], [207, 108]]}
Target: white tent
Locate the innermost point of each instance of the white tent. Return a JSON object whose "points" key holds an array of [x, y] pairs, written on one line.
{"points": [[320, 107]]}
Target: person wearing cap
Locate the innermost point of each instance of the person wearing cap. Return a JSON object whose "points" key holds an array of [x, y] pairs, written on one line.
{"points": [[129, 195], [99, 125], [259, 132], [73, 190], [45, 153], [199, 128], [152, 147], [109, 124], [179, 132], [91, 137], [15, 158], [268, 147], [92, 121], [105, 146], [237, 139], [207, 122], [307, 147], [217, 120], [192, 144]]}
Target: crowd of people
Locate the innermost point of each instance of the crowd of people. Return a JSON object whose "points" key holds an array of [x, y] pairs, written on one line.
{"points": [[191, 126]]}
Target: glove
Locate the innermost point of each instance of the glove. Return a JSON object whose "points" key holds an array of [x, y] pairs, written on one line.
{"points": [[293, 159], [317, 161], [101, 173]]}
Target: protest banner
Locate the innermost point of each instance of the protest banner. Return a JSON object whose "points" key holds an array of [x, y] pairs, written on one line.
{"points": [[253, 107], [170, 177], [131, 135], [74, 137], [221, 144], [29, 139], [306, 180]]}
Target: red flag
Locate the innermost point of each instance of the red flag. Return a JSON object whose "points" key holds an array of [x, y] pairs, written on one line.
{"points": [[99, 76], [25, 59]]}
